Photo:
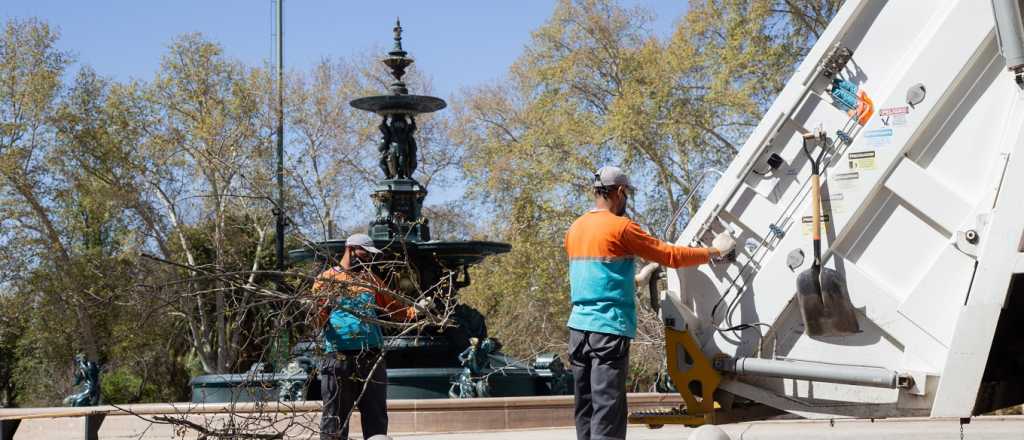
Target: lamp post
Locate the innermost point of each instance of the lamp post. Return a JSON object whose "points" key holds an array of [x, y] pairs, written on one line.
{"points": [[279, 206]]}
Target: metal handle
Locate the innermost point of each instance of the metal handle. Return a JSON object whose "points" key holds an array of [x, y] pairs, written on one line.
{"points": [[704, 174]]}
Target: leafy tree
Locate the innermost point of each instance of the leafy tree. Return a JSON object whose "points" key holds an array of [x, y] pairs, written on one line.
{"points": [[30, 72], [205, 152]]}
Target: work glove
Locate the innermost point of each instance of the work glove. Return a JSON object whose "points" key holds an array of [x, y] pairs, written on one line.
{"points": [[426, 303], [724, 243]]}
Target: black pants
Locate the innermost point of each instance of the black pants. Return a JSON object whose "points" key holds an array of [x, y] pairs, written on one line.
{"points": [[600, 363], [343, 377]]}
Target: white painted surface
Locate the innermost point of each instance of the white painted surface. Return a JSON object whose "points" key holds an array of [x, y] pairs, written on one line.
{"points": [[892, 230]]}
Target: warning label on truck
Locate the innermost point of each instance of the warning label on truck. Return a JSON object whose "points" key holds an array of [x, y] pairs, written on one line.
{"points": [[894, 116], [879, 137], [844, 181], [862, 160], [833, 203], [808, 224]]}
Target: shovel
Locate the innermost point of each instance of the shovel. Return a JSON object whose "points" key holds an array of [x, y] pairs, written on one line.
{"points": [[824, 302]]}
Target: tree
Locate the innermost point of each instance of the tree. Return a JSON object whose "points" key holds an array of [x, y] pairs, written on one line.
{"points": [[67, 200], [30, 74], [205, 154]]}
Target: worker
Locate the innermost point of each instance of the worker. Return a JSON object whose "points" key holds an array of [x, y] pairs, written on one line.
{"points": [[602, 246], [352, 371]]}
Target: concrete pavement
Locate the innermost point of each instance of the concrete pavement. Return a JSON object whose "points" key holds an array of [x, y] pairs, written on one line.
{"points": [[980, 428]]}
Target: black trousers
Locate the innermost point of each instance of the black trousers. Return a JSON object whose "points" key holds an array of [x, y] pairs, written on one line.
{"points": [[600, 364], [343, 378]]}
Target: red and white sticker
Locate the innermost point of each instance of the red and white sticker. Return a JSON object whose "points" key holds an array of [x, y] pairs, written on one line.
{"points": [[894, 116]]}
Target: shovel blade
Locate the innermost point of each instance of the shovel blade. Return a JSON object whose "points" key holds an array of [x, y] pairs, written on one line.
{"points": [[825, 305]]}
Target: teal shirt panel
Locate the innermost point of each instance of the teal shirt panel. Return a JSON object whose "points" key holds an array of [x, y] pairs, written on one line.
{"points": [[345, 331], [603, 295]]}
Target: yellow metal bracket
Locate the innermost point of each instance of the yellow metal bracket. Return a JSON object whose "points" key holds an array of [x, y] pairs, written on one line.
{"points": [[691, 371], [693, 375]]}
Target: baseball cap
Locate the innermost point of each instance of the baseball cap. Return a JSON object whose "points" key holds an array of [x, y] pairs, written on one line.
{"points": [[362, 240], [611, 176]]}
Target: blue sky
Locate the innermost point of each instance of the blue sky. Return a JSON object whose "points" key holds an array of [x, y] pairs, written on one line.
{"points": [[125, 39], [457, 43]]}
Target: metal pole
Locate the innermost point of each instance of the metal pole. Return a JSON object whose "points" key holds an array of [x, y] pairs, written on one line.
{"points": [[279, 208], [819, 372], [1010, 35]]}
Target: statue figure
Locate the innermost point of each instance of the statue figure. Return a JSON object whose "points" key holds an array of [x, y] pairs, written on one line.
{"points": [[463, 388], [385, 148], [87, 374], [410, 152], [476, 359], [398, 146], [561, 379], [470, 357], [296, 374]]}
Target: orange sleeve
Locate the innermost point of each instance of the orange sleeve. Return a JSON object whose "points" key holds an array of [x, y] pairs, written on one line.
{"points": [[642, 244], [323, 311], [319, 283], [330, 279], [393, 309], [323, 314]]}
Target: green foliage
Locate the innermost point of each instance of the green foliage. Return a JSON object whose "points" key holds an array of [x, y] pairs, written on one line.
{"points": [[11, 330], [124, 387]]}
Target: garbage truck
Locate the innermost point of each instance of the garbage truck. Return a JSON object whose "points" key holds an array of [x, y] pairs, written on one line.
{"points": [[878, 209]]}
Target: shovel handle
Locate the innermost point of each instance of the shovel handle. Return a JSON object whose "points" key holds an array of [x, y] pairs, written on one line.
{"points": [[815, 208]]}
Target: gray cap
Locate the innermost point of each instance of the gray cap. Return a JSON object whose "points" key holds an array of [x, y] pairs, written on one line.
{"points": [[362, 240], [611, 176]]}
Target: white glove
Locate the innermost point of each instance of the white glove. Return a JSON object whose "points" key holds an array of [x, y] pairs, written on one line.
{"points": [[724, 243], [426, 303]]}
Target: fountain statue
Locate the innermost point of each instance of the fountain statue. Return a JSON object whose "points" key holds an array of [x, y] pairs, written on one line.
{"points": [[87, 374]]}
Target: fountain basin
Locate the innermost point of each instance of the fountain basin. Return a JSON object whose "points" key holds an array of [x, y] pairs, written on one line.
{"points": [[403, 383], [399, 104], [451, 254]]}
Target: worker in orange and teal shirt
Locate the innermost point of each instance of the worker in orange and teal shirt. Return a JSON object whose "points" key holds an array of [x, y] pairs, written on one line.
{"points": [[603, 246], [353, 371]]}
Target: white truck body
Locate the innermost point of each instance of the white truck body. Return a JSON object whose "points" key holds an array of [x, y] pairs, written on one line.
{"points": [[900, 211]]}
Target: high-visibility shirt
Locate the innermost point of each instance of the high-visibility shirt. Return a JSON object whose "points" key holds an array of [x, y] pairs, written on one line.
{"points": [[346, 327], [602, 247]]}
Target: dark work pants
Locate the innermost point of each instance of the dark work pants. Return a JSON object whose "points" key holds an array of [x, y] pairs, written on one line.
{"points": [[600, 363], [343, 377]]}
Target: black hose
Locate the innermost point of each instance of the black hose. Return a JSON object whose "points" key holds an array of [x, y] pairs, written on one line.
{"points": [[652, 288]]}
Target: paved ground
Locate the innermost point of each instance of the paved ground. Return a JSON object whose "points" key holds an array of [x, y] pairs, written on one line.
{"points": [[981, 428]]}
